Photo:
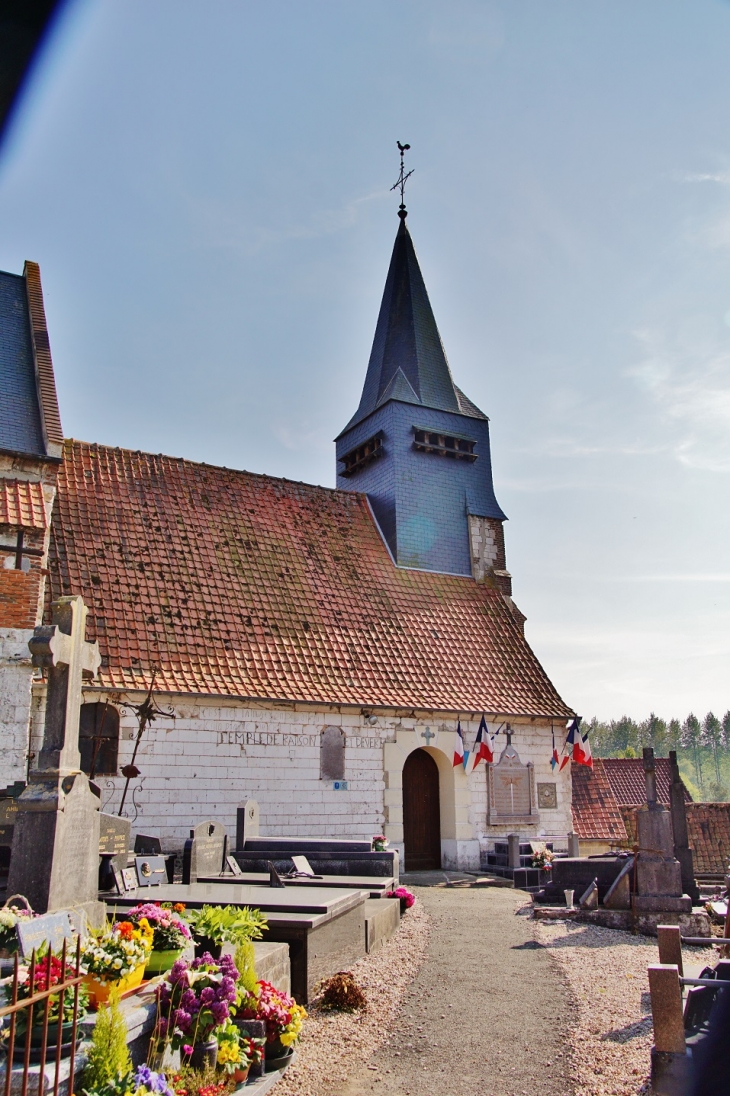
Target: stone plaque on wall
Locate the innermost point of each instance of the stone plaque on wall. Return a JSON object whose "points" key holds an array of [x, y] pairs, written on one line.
{"points": [[547, 796], [511, 790], [332, 754]]}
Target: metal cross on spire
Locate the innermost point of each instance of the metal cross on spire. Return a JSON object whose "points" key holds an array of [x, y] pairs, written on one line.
{"points": [[400, 183]]}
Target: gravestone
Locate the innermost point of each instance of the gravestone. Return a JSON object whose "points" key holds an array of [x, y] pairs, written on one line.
{"points": [[205, 851], [658, 874], [618, 896], [247, 822], [144, 845], [151, 871], [589, 898], [682, 851], [55, 852], [114, 839], [51, 929], [511, 789], [332, 754]]}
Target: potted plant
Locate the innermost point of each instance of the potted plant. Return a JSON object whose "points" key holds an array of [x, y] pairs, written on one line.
{"points": [[406, 897], [49, 971], [170, 933], [116, 958], [236, 1053], [214, 926], [380, 843], [283, 1017], [141, 1081], [9, 918], [542, 858], [194, 1001]]}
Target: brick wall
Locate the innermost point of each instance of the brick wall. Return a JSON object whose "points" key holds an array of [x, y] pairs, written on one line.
{"points": [[19, 597], [217, 754], [16, 674]]}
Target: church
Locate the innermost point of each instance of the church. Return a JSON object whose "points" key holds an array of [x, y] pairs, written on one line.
{"points": [[322, 651]]}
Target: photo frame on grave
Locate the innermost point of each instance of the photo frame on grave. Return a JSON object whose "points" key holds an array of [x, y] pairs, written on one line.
{"points": [[129, 879], [119, 880], [303, 868], [151, 871], [233, 866]]}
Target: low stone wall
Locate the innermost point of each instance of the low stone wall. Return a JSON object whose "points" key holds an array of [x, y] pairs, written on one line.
{"points": [[272, 964]]}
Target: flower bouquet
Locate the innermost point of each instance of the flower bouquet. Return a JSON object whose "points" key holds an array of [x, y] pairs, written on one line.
{"points": [[283, 1017], [407, 898], [543, 858], [380, 843], [49, 971], [170, 933], [9, 918], [195, 1000], [116, 957]]}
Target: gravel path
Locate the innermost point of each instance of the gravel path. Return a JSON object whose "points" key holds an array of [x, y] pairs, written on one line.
{"points": [[612, 1034], [484, 1016]]}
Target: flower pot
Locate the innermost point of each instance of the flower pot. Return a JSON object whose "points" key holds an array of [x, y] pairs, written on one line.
{"points": [[36, 1042], [403, 905], [205, 1054], [99, 989], [203, 944], [277, 1055], [241, 1075], [161, 961]]}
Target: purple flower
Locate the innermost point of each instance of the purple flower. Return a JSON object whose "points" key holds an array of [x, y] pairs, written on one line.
{"points": [[188, 999], [181, 1019], [219, 1012], [207, 995], [178, 972]]}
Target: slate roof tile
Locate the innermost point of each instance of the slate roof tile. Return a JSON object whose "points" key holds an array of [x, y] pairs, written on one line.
{"points": [[240, 584]]}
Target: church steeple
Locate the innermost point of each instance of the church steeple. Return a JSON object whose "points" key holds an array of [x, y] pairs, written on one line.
{"points": [[407, 361], [416, 445]]}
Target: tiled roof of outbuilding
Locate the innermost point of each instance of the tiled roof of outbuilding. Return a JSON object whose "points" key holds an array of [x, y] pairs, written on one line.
{"points": [[21, 504], [244, 585], [708, 830], [596, 815], [626, 777]]}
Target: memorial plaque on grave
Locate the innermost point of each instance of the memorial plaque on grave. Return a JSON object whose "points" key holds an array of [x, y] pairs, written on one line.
{"points": [[114, 838], [151, 871], [205, 851], [51, 929], [129, 879], [547, 796], [8, 814], [247, 822], [233, 865], [145, 845]]}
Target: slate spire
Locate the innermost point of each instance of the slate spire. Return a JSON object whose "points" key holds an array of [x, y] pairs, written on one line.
{"points": [[407, 361]]}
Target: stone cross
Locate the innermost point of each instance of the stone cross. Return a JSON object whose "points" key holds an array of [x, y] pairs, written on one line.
{"points": [[63, 651], [428, 735], [650, 777]]}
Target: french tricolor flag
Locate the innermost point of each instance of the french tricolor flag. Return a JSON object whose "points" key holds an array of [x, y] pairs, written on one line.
{"points": [[554, 760], [459, 753], [482, 748]]}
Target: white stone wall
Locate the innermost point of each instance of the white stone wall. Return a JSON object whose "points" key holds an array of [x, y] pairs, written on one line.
{"points": [[16, 674], [217, 753]]}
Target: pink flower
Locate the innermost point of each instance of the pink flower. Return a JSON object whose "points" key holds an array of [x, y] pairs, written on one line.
{"points": [[187, 1049]]}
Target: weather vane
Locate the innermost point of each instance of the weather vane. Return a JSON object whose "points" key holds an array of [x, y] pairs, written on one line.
{"points": [[400, 183]]}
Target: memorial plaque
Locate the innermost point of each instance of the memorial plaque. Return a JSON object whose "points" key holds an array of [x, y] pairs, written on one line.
{"points": [[247, 822], [547, 796], [129, 879], [147, 846], [233, 865], [511, 789], [114, 838], [151, 871], [8, 814], [332, 754], [51, 929]]}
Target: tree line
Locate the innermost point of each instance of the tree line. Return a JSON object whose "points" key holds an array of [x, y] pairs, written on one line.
{"points": [[702, 745]]}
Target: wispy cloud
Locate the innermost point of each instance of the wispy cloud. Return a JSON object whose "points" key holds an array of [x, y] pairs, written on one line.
{"points": [[691, 387], [722, 177]]}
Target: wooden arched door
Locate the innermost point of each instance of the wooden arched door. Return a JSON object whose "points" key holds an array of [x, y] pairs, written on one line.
{"points": [[421, 812]]}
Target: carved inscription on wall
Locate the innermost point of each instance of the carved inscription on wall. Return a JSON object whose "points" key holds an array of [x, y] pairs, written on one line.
{"points": [[278, 738], [511, 790]]}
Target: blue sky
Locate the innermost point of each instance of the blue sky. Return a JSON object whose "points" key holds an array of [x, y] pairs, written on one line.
{"points": [[206, 188]]}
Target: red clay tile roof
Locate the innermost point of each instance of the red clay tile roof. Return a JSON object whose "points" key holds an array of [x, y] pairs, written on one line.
{"points": [[626, 777], [244, 585], [595, 812], [708, 828], [21, 504]]}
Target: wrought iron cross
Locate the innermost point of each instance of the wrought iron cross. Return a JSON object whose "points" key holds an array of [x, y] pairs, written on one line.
{"points": [[428, 735], [400, 183], [19, 550]]}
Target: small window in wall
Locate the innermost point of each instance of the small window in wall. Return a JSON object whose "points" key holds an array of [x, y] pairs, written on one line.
{"points": [[99, 739], [358, 458], [332, 754], [445, 445]]}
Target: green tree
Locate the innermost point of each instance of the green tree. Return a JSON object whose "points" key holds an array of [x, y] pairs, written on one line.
{"points": [[655, 734], [712, 738], [726, 730], [692, 740], [674, 735], [625, 734]]}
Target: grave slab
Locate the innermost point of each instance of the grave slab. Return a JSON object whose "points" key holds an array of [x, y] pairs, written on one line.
{"points": [[382, 918], [376, 885], [324, 927]]}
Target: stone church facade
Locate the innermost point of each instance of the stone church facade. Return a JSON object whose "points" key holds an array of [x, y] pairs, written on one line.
{"points": [[312, 649]]}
